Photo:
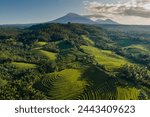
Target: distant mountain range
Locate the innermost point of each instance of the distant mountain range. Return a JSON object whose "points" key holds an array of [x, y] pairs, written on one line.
{"points": [[75, 18], [107, 21], [83, 19], [70, 17]]}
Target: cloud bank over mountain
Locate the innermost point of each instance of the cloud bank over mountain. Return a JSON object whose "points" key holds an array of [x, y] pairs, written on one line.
{"points": [[136, 10]]}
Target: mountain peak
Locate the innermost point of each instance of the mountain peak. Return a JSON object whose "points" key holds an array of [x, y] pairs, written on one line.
{"points": [[72, 14], [76, 18], [73, 18], [107, 21]]}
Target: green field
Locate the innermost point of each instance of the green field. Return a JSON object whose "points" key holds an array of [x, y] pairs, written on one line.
{"points": [[41, 43], [108, 91], [21, 65], [87, 40], [65, 84], [107, 58], [127, 93], [49, 55], [140, 47]]}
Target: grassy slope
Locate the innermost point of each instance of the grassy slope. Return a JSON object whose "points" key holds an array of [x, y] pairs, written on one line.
{"points": [[38, 50], [140, 47], [106, 89], [41, 43], [127, 93], [99, 87], [50, 55], [65, 84], [109, 59], [87, 40], [21, 65]]}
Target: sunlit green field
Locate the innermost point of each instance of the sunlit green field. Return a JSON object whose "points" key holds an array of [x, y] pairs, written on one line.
{"points": [[127, 93], [87, 40], [109, 59], [41, 43], [140, 47], [65, 84], [21, 65], [50, 55]]}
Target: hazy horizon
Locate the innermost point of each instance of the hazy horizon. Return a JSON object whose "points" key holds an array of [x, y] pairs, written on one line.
{"points": [[129, 12]]}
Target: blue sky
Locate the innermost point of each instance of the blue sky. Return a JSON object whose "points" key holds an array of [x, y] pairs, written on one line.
{"points": [[27, 11], [30, 11]]}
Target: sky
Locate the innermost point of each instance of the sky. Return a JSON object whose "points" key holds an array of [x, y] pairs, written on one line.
{"points": [[37, 11]]}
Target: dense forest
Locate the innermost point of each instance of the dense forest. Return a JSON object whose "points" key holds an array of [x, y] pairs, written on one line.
{"points": [[73, 61]]}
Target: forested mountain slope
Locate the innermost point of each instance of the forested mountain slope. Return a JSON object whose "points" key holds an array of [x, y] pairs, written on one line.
{"points": [[73, 61]]}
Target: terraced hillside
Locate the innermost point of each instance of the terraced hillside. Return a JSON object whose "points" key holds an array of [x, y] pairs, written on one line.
{"points": [[127, 93], [108, 59], [66, 84], [74, 61]]}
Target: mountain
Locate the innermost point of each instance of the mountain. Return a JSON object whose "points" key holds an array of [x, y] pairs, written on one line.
{"points": [[70, 17], [73, 18], [107, 21]]}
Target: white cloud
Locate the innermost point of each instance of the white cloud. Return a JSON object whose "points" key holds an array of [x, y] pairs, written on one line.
{"points": [[137, 11]]}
